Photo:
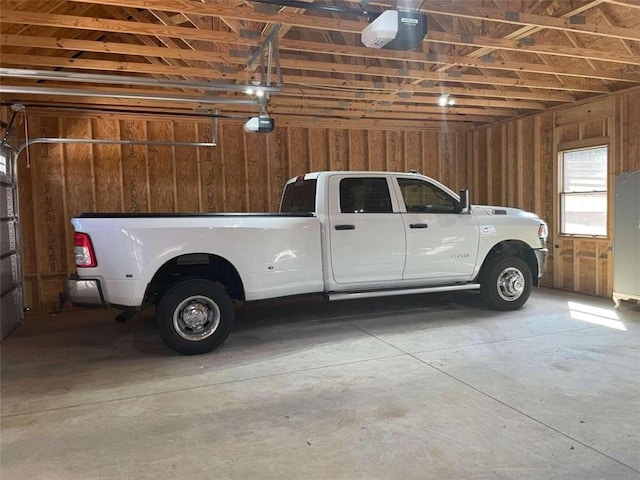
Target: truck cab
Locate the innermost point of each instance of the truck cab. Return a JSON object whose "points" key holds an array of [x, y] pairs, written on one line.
{"points": [[394, 230]]}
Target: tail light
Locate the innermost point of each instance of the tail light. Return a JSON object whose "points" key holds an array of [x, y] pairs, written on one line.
{"points": [[83, 249]]}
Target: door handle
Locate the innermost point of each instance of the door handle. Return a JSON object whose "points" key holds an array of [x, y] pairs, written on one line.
{"points": [[345, 227], [418, 225]]}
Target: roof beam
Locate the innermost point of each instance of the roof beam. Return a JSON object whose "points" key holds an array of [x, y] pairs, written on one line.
{"points": [[384, 107], [384, 98], [531, 47], [357, 114], [423, 75], [152, 50], [529, 30], [441, 8], [401, 98], [361, 85], [625, 3], [400, 120], [118, 26], [435, 58], [358, 89]]}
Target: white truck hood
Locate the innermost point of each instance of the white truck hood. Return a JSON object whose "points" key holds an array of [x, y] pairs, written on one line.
{"points": [[495, 210]]}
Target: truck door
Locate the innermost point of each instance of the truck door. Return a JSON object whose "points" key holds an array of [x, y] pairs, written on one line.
{"points": [[367, 238], [442, 244]]}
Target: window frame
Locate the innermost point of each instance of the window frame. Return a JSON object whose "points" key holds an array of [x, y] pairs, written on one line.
{"points": [[561, 150], [435, 189]]}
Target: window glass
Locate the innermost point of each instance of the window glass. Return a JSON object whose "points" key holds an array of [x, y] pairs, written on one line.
{"points": [[420, 196], [299, 197], [585, 170], [365, 195], [583, 195]]}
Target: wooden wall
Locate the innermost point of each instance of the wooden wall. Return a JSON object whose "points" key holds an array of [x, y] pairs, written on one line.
{"points": [[512, 163], [515, 164], [245, 172]]}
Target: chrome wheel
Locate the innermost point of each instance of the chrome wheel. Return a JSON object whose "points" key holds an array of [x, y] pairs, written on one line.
{"points": [[511, 284], [196, 318]]}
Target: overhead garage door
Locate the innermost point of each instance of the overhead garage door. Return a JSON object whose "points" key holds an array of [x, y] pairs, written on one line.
{"points": [[10, 265]]}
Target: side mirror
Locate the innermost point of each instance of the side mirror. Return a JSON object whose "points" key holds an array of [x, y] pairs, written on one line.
{"points": [[464, 201]]}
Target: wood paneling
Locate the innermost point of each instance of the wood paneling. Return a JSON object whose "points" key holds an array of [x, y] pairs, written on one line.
{"points": [[134, 167], [338, 149], [161, 168], [358, 150], [517, 166], [431, 159], [377, 151], [211, 172]]}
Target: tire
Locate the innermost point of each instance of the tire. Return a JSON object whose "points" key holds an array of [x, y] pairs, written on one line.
{"points": [[506, 283], [195, 316]]}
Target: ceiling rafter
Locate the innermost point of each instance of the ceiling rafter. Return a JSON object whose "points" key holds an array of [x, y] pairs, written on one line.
{"points": [[436, 8], [140, 28], [384, 99], [539, 95], [174, 52], [607, 18], [123, 15], [498, 58], [583, 85], [528, 31]]}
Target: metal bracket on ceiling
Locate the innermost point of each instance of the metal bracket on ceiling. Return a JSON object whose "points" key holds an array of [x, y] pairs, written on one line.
{"points": [[77, 77], [8, 128], [269, 55]]}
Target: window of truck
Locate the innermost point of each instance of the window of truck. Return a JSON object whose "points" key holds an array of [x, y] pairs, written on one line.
{"points": [[422, 197], [299, 197], [365, 195]]}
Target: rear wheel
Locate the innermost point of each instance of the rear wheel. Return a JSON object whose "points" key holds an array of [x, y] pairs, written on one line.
{"points": [[506, 283], [195, 316]]}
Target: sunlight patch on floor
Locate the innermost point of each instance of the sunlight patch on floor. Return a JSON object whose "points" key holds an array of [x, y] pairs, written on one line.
{"points": [[598, 316]]}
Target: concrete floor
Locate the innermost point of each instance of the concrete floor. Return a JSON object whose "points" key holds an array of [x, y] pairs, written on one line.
{"points": [[419, 387]]}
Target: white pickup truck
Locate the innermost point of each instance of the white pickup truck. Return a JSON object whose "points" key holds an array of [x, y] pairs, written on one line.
{"points": [[341, 234]]}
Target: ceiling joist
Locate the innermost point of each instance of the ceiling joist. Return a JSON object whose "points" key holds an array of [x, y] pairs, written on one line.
{"points": [[497, 59]]}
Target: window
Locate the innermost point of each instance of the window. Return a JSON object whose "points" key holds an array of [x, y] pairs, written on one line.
{"points": [[583, 191], [299, 197], [420, 196], [3, 163], [365, 195]]}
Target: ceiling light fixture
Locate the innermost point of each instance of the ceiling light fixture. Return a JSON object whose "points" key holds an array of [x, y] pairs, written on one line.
{"points": [[445, 99]]}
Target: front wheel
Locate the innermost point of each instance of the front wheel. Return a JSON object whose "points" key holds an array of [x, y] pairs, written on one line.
{"points": [[506, 283], [195, 316]]}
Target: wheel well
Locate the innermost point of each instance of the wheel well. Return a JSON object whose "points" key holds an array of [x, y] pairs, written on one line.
{"points": [[513, 248], [195, 265]]}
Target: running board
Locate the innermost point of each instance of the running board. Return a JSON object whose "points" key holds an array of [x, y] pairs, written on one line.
{"points": [[406, 291]]}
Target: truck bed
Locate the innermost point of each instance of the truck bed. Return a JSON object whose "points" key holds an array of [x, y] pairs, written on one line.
{"points": [[182, 215]]}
